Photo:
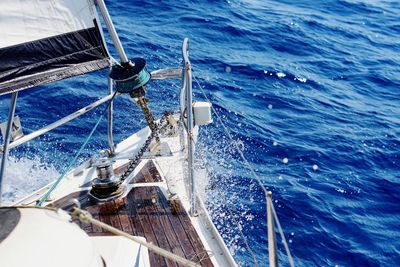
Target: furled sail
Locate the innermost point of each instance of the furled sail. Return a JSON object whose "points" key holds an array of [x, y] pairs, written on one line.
{"points": [[43, 41]]}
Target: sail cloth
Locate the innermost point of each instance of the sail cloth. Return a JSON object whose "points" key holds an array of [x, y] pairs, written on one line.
{"points": [[43, 41]]}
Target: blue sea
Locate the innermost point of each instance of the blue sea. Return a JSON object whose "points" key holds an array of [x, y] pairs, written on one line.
{"points": [[311, 93]]}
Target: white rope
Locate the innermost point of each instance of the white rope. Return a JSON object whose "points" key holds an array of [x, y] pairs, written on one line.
{"points": [[250, 167], [85, 217]]}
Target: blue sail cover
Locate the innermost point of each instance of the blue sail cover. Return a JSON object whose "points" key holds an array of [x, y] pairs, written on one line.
{"points": [[42, 41]]}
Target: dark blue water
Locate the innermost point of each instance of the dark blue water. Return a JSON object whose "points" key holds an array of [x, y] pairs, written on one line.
{"points": [[310, 91]]}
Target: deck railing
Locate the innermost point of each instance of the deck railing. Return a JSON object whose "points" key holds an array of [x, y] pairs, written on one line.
{"points": [[7, 139], [9, 144], [171, 73], [186, 108]]}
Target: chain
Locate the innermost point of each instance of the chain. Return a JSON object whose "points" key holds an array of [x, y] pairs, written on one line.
{"points": [[149, 117], [135, 161]]}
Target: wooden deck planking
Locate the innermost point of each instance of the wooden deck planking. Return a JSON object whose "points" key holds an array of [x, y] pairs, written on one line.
{"points": [[95, 210], [179, 231], [146, 212], [159, 230], [142, 202], [154, 172], [193, 237], [169, 231], [103, 216], [148, 174], [126, 225], [114, 217]]}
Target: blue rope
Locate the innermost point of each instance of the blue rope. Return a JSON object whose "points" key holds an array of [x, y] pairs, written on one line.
{"points": [[72, 163]]}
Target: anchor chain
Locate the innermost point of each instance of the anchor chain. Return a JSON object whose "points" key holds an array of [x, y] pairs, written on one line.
{"points": [[149, 117], [135, 161]]}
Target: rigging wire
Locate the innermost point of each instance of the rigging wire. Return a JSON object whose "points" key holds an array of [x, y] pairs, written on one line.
{"points": [[72, 163], [250, 167], [285, 244], [245, 241]]}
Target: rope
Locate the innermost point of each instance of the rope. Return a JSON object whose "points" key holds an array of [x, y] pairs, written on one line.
{"points": [[72, 163], [250, 167], [85, 217]]}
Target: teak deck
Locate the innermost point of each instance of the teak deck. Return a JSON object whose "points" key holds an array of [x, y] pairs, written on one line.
{"points": [[146, 212]]}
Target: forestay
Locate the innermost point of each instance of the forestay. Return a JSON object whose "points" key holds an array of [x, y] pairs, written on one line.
{"points": [[43, 41]]}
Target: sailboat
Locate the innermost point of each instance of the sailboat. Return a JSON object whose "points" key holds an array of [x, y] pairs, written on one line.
{"points": [[134, 203]]}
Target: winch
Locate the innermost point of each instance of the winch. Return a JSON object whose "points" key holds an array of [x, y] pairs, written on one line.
{"points": [[131, 77], [106, 186]]}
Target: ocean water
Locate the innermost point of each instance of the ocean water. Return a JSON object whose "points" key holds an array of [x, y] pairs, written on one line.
{"points": [[311, 93]]}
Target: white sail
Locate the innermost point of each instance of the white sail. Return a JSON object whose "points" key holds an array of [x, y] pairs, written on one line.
{"points": [[45, 40]]}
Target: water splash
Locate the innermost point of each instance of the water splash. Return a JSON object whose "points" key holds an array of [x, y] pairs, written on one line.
{"points": [[220, 191], [24, 176]]}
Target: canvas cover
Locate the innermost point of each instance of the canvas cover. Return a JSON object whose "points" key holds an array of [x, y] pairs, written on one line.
{"points": [[43, 41]]}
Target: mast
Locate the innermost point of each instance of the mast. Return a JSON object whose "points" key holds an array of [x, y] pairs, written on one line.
{"points": [[113, 33]]}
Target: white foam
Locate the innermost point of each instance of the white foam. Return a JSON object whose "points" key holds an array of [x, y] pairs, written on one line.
{"points": [[302, 80], [280, 74], [340, 190], [24, 176]]}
